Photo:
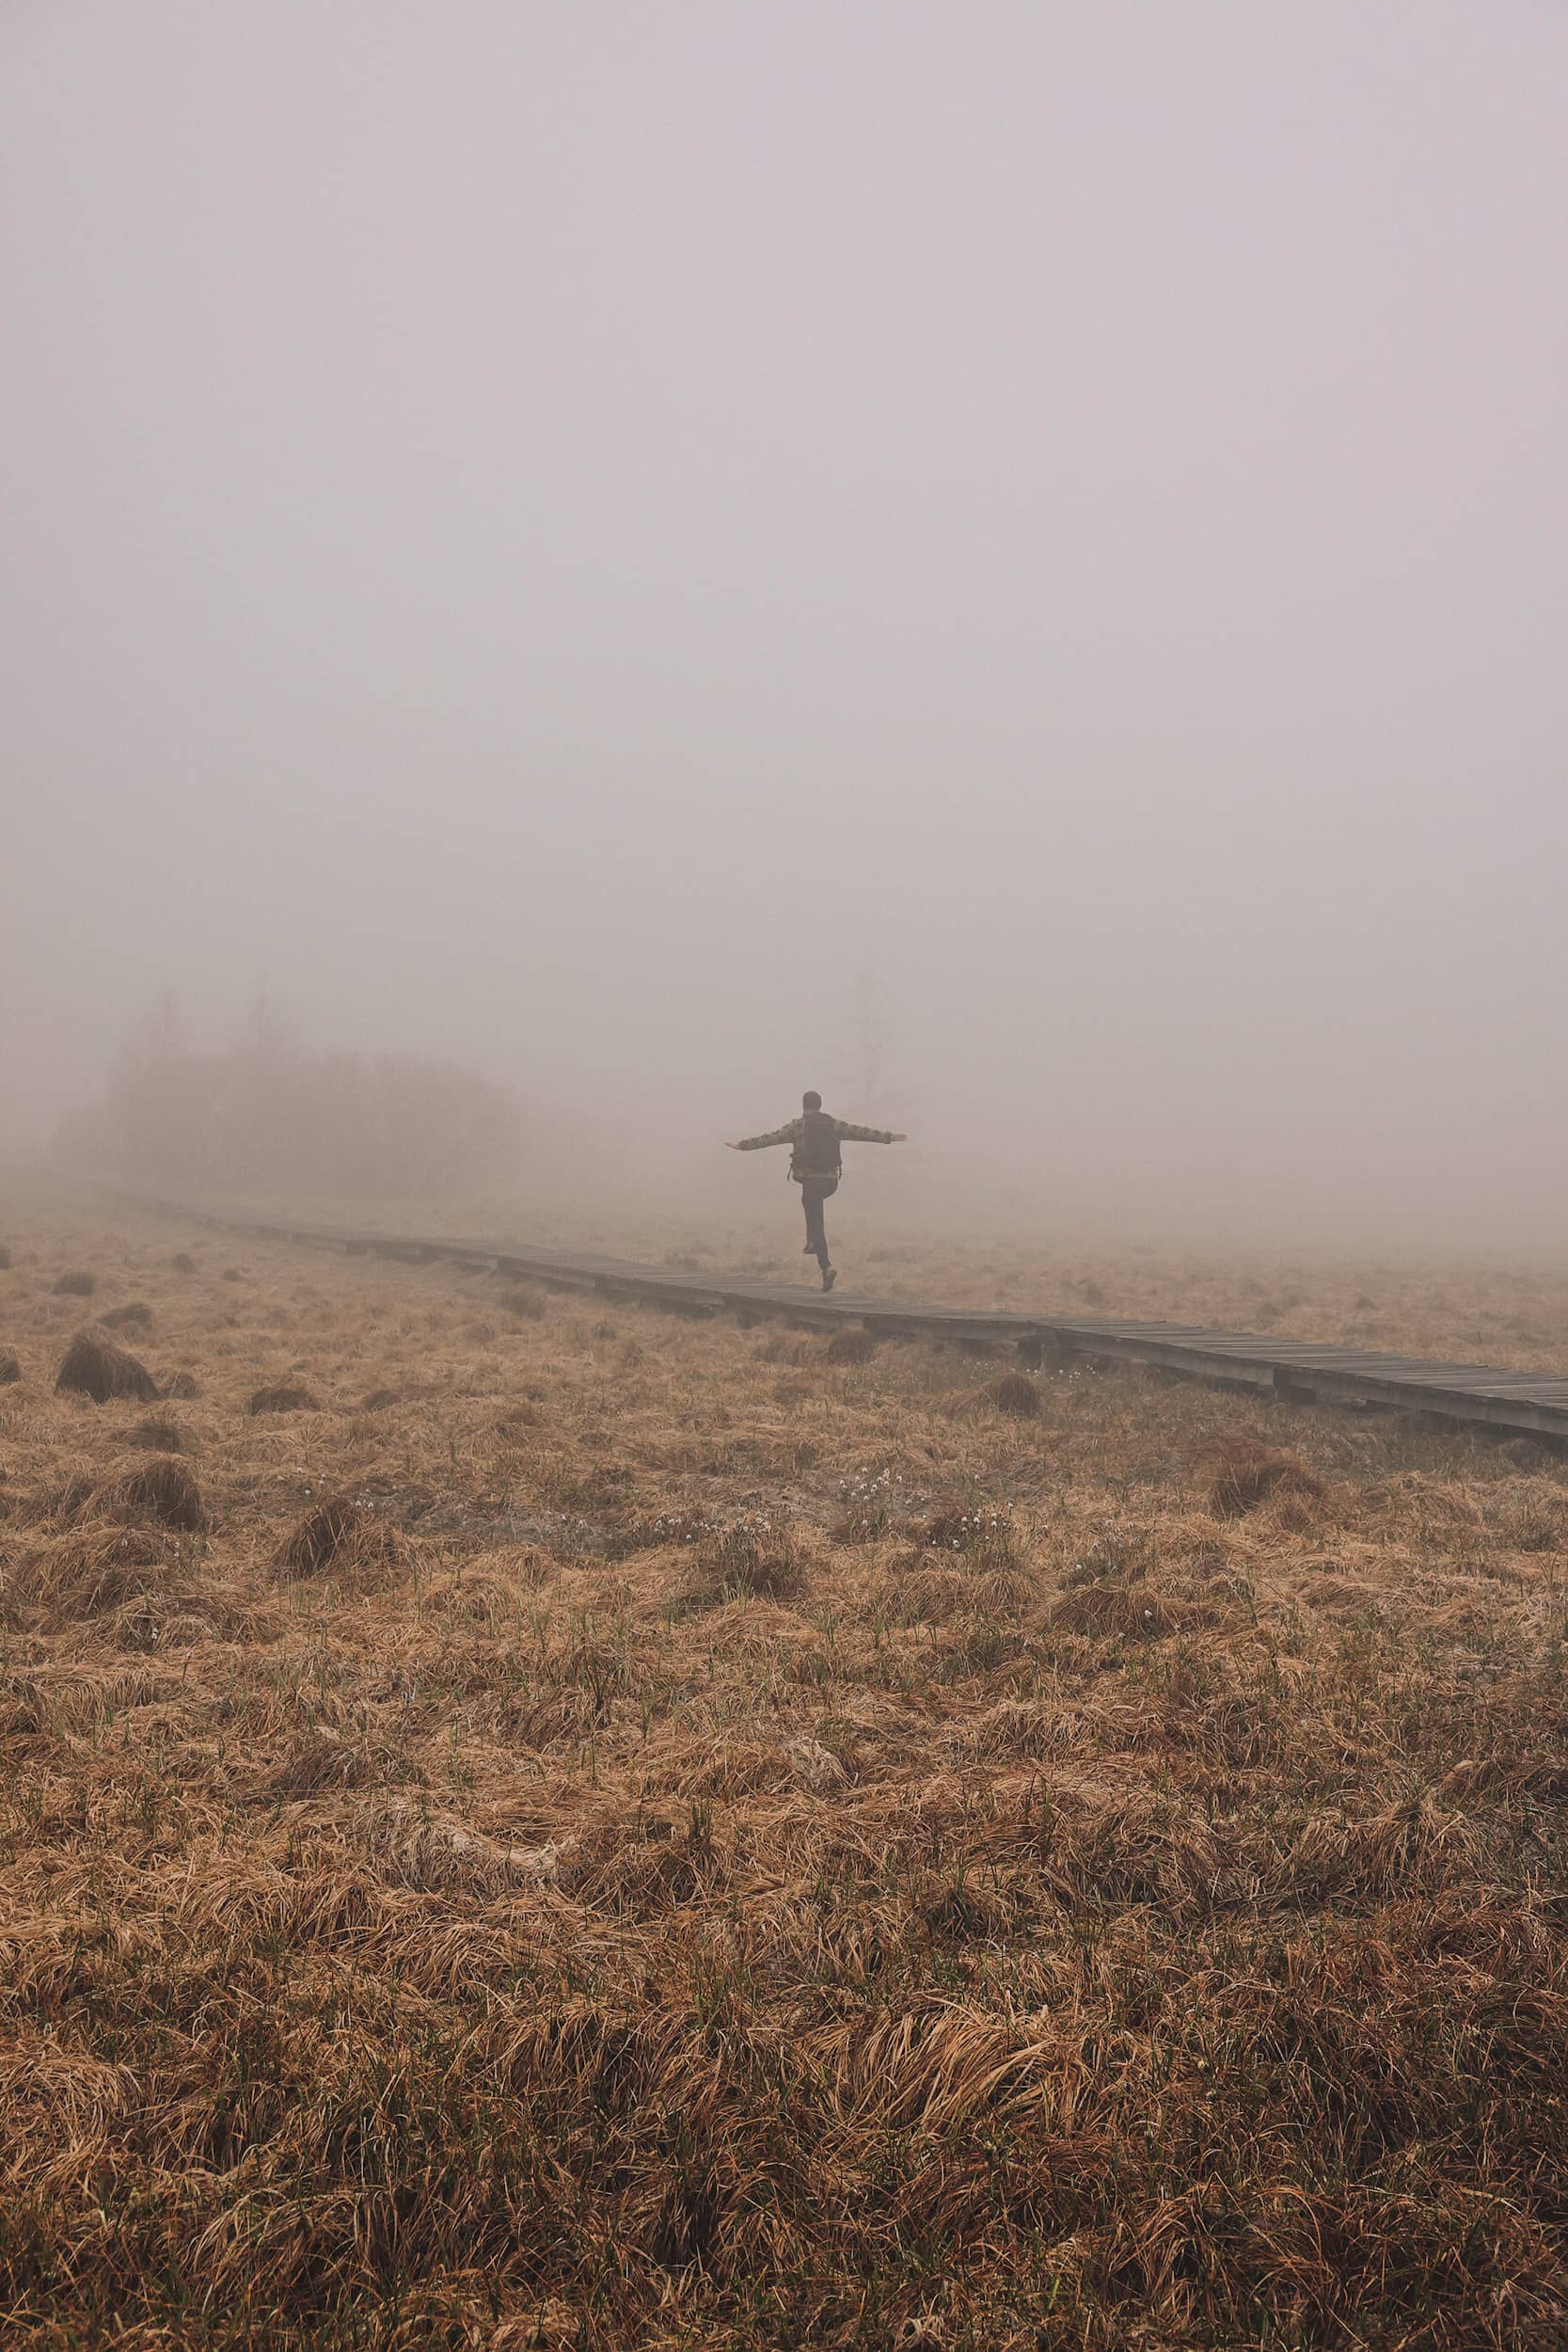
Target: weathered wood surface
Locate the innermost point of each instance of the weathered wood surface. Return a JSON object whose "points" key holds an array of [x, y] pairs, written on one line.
{"points": [[1300, 1370]]}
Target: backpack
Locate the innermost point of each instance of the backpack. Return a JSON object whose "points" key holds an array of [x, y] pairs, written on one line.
{"points": [[816, 1149]]}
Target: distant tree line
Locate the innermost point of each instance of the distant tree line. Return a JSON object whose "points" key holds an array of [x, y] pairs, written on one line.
{"points": [[268, 1114]]}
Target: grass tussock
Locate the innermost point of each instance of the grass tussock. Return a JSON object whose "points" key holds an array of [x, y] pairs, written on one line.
{"points": [[162, 1492], [93, 1366], [757, 1556], [135, 1315], [1237, 1474], [336, 1534], [852, 1346], [160, 1433], [1016, 1395], [633, 1841], [283, 1396], [75, 1283], [984, 1535], [183, 1262], [93, 1571], [1140, 1612], [521, 1420], [10, 1367]]}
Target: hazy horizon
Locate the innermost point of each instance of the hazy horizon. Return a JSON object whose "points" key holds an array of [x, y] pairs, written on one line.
{"points": [[562, 539]]}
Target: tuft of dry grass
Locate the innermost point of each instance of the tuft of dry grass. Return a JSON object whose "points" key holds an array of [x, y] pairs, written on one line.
{"points": [[77, 1284], [983, 1533], [10, 1368], [162, 1491], [336, 1534], [161, 1434], [1238, 1473], [94, 1366], [755, 1557], [1016, 1395], [520, 1420], [94, 1571], [135, 1315], [282, 1396], [851, 1346], [183, 1262]]}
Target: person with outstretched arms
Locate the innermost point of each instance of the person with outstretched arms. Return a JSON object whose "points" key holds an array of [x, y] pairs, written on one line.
{"points": [[816, 1164]]}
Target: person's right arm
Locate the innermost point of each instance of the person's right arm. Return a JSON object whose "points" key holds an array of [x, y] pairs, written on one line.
{"points": [[760, 1143]]}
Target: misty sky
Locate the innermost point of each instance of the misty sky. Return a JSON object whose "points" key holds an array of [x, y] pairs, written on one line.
{"points": [[558, 535]]}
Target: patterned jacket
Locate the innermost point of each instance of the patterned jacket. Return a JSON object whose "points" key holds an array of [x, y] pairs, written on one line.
{"points": [[813, 1140]]}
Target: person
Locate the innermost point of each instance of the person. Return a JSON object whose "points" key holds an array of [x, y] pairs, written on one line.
{"points": [[816, 1164]]}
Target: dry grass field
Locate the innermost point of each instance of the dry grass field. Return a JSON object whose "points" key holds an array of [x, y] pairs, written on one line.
{"points": [[527, 1823], [1469, 1310]]}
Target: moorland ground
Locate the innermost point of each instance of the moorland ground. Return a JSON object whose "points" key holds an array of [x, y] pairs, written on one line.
{"points": [[1465, 1308], [528, 1820]]}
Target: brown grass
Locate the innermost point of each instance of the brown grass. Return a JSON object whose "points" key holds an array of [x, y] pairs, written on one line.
{"points": [[162, 1491], [76, 1284], [135, 1315], [161, 1434], [10, 1368], [1237, 1473], [94, 1366], [94, 1571], [851, 1346], [282, 1396], [335, 1534], [756, 1556], [1016, 1395], [641, 1839]]}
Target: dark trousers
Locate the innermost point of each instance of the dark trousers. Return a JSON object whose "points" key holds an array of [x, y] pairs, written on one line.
{"points": [[814, 1190]]}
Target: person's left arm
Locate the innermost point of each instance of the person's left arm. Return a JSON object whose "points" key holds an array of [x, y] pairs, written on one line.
{"points": [[847, 1132]]}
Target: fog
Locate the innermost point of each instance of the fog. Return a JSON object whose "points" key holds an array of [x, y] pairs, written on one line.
{"points": [[566, 537]]}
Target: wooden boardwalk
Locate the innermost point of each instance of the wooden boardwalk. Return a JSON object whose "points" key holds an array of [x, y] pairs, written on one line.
{"points": [[1300, 1370]]}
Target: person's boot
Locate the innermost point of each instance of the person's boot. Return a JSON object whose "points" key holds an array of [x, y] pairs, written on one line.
{"points": [[830, 1276]]}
